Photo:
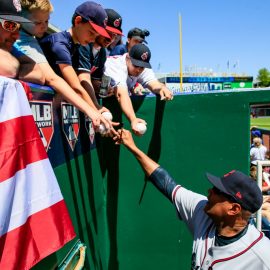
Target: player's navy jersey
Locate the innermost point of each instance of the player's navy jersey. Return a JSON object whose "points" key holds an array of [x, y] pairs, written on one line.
{"points": [[59, 48], [84, 60], [119, 50]]}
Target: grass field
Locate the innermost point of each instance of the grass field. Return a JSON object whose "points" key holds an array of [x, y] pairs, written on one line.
{"points": [[260, 122]]}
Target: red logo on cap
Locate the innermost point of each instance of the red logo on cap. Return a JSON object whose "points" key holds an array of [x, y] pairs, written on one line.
{"points": [[238, 195], [144, 56], [117, 22], [229, 173]]}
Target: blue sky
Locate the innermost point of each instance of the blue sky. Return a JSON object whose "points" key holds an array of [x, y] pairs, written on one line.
{"points": [[214, 33]]}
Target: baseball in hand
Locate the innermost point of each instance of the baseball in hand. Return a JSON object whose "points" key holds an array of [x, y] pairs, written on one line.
{"points": [[141, 127], [102, 129], [107, 116]]}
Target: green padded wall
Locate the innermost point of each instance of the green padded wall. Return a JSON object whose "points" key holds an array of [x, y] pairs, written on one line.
{"points": [[124, 221]]}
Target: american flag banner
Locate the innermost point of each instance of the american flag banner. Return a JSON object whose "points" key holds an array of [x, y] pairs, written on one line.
{"points": [[34, 220]]}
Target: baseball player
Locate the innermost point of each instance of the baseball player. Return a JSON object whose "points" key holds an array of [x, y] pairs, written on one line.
{"points": [[223, 238]]}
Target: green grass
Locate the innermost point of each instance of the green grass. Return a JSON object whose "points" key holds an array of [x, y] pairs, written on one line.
{"points": [[261, 122]]}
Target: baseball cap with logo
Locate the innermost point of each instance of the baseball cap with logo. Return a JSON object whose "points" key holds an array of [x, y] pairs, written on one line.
{"points": [[140, 55], [138, 34], [11, 10], [114, 21], [95, 14], [243, 189]]}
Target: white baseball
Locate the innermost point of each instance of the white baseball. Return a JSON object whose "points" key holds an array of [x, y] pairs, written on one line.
{"points": [[107, 116], [102, 129], [141, 128]]}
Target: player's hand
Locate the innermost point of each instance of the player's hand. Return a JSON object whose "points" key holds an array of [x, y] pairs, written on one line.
{"points": [[134, 125], [124, 137]]}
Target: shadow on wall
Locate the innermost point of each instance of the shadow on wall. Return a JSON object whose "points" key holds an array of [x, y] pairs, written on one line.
{"points": [[108, 154], [154, 149]]}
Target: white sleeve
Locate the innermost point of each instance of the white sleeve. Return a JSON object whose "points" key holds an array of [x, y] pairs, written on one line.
{"points": [[117, 70], [189, 206], [146, 76], [30, 47]]}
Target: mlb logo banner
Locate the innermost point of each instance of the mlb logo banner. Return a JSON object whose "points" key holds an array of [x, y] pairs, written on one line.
{"points": [[43, 115], [90, 129], [70, 123]]}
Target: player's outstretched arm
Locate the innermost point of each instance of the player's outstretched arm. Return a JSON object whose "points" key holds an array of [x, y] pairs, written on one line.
{"points": [[124, 137], [157, 175]]}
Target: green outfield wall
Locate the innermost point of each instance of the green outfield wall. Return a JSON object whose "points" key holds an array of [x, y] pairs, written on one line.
{"points": [[123, 220]]}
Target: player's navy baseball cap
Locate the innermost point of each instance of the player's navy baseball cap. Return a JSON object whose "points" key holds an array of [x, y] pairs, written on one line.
{"points": [[243, 189], [114, 21], [96, 15], [140, 55], [139, 34], [11, 10]]}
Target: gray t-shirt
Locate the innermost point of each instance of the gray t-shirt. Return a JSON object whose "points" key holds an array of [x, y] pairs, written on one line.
{"points": [[30, 47]]}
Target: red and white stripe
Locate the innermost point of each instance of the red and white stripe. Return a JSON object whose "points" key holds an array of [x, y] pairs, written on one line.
{"points": [[34, 220]]}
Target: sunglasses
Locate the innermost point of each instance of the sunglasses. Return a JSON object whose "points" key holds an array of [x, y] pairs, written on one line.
{"points": [[10, 26]]}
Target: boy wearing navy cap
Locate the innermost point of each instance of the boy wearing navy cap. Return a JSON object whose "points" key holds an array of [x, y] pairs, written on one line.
{"points": [[127, 70], [88, 22], [135, 36], [89, 60]]}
